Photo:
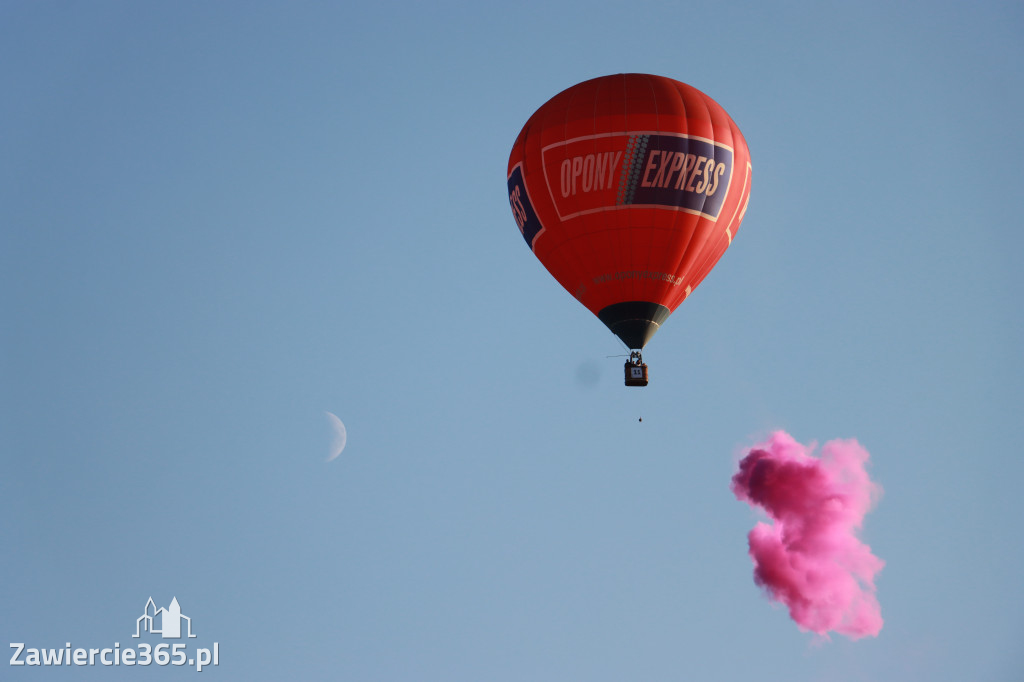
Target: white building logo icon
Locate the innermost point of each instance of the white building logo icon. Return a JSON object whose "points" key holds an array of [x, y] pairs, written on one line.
{"points": [[169, 620]]}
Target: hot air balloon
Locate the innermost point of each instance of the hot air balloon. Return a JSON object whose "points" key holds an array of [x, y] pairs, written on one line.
{"points": [[629, 188]]}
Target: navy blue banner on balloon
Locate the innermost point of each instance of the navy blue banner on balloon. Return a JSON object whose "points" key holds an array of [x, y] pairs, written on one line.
{"points": [[522, 208], [689, 173]]}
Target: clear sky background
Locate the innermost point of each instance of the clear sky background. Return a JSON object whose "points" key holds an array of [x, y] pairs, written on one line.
{"points": [[220, 220]]}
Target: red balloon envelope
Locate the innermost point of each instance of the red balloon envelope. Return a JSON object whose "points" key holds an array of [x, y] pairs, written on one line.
{"points": [[629, 188]]}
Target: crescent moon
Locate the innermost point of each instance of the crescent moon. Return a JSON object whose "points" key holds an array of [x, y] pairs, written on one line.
{"points": [[340, 436]]}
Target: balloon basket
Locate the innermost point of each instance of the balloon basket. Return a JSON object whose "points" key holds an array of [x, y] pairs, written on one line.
{"points": [[636, 370]]}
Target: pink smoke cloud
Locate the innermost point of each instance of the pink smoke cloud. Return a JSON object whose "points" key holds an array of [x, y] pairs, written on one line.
{"points": [[809, 557]]}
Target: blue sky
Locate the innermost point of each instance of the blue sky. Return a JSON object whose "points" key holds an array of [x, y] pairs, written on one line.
{"points": [[220, 220]]}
